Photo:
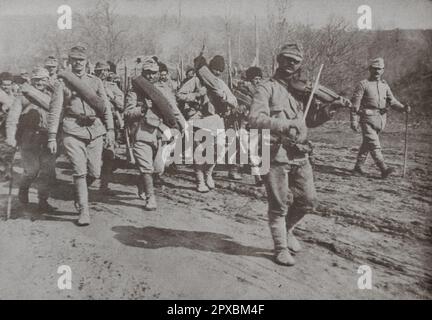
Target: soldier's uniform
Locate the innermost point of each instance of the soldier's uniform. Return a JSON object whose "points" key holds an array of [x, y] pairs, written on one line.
{"points": [[146, 131], [51, 64], [289, 183], [244, 92], [116, 105], [82, 132], [7, 97], [30, 118], [222, 99], [192, 96], [370, 100]]}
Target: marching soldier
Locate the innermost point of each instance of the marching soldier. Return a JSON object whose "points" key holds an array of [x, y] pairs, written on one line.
{"points": [[369, 112], [165, 79], [244, 93], [27, 126], [278, 107], [51, 64], [81, 100], [146, 131], [115, 97], [195, 105], [219, 94]]}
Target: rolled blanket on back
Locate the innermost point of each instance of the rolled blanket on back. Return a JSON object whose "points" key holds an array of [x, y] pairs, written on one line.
{"points": [[85, 92], [161, 104], [243, 98], [36, 97]]}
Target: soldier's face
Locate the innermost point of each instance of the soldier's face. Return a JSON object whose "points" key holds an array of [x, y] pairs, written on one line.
{"points": [[7, 87], [288, 64], [255, 81], [39, 83], [152, 76], [376, 73], [78, 64], [51, 70], [163, 76], [101, 74], [190, 74]]}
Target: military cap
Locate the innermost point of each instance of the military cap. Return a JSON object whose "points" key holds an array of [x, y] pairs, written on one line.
{"points": [[51, 61], [39, 73], [377, 63], [253, 72], [149, 64], [163, 67], [6, 76], [292, 50], [101, 65], [78, 52], [217, 63]]}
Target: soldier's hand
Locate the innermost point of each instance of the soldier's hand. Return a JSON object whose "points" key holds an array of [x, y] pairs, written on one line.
{"points": [[202, 91], [110, 138], [52, 147], [25, 87], [11, 141], [296, 130]]}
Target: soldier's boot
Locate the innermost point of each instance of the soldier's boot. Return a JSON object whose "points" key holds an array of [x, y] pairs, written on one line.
{"points": [[151, 204], [209, 177], [279, 233], [23, 195], [44, 206], [379, 161], [256, 173], [361, 160], [140, 188], [81, 203], [292, 242], [233, 172], [201, 185], [90, 180]]}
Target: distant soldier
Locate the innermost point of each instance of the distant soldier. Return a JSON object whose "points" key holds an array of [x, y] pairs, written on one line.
{"points": [[195, 105], [116, 98], [220, 96], [244, 93], [51, 64], [26, 126], [147, 125], [290, 187], [165, 78], [190, 73], [81, 100], [370, 100], [6, 95]]}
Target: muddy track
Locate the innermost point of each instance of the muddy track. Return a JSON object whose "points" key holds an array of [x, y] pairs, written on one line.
{"points": [[217, 245]]}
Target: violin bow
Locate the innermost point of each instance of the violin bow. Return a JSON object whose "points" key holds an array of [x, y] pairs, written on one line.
{"points": [[313, 92]]}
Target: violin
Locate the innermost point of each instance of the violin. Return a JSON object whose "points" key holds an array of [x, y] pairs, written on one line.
{"points": [[323, 94]]}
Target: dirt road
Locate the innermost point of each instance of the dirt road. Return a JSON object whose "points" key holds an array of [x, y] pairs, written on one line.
{"points": [[218, 246]]}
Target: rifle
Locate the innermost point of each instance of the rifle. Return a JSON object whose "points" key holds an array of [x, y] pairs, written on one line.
{"points": [[129, 153], [9, 200]]}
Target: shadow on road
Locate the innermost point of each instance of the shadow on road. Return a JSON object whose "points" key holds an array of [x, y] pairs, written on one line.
{"points": [[155, 238]]}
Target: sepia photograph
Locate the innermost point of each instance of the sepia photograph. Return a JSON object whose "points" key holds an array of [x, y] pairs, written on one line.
{"points": [[215, 150]]}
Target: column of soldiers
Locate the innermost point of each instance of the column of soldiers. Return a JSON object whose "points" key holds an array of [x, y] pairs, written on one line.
{"points": [[85, 112]]}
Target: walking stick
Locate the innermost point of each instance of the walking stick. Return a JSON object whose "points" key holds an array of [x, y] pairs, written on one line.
{"points": [[406, 146], [9, 200]]}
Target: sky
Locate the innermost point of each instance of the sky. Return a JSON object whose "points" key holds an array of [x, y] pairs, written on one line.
{"points": [[386, 14]]}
